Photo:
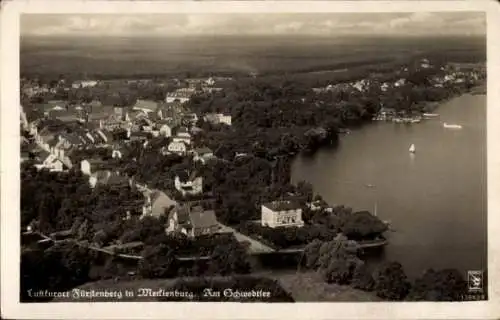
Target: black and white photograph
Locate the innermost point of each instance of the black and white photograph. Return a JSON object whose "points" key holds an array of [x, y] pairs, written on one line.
{"points": [[178, 156]]}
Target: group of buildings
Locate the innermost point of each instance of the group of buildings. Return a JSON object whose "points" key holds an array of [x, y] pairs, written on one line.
{"points": [[89, 126], [447, 74]]}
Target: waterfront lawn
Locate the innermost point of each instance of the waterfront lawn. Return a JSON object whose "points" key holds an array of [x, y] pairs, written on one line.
{"points": [[309, 286]]}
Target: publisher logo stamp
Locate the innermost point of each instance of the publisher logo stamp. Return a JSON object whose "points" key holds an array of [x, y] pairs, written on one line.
{"points": [[475, 280]]}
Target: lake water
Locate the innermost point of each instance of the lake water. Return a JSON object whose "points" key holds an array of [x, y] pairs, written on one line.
{"points": [[435, 198]]}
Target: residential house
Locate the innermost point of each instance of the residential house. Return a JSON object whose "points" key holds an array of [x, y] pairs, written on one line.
{"points": [[282, 213], [203, 154], [118, 118], [192, 82], [60, 110], [400, 82], [384, 111], [212, 89], [53, 155], [142, 136], [25, 156], [157, 203], [105, 136], [108, 177], [193, 221], [216, 118], [84, 84], [183, 135], [143, 124], [317, 205], [182, 95], [190, 119], [49, 161], [189, 184], [361, 85], [195, 130], [177, 147], [425, 64], [337, 87], [90, 166], [165, 128], [384, 86], [116, 154], [169, 111], [210, 81], [145, 105], [225, 119], [86, 138]]}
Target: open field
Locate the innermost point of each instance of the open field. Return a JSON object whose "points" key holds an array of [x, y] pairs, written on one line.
{"points": [[310, 287], [122, 57]]}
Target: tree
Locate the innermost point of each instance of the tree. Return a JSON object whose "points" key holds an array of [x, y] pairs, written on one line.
{"points": [[362, 278], [58, 268], [305, 189], [363, 224], [391, 282], [158, 262], [336, 259], [442, 285], [311, 253], [229, 258]]}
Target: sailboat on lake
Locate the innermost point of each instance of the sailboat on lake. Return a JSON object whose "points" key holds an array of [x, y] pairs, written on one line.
{"points": [[412, 149]]}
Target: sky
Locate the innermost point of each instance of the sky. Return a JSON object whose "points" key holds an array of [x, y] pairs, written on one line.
{"points": [[324, 24]]}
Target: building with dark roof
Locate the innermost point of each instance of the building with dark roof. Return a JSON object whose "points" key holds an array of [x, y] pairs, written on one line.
{"points": [[189, 183], [108, 177], [157, 203], [203, 154], [192, 220]]}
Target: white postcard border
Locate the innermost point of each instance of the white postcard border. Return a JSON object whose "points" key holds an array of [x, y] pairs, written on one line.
{"points": [[10, 246]]}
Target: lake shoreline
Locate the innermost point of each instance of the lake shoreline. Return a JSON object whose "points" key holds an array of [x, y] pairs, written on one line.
{"points": [[337, 163]]}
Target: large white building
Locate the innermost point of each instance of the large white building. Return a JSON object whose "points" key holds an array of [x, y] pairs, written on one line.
{"points": [[283, 213]]}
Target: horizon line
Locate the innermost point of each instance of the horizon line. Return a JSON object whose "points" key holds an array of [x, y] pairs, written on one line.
{"points": [[378, 35]]}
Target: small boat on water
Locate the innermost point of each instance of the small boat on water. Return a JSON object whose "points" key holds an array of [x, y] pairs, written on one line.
{"points": [[430, 115], [452, 126], [412, 148]]}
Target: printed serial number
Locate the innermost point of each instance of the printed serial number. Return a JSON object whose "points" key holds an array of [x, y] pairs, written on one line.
{"points": [[473, 297]]}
